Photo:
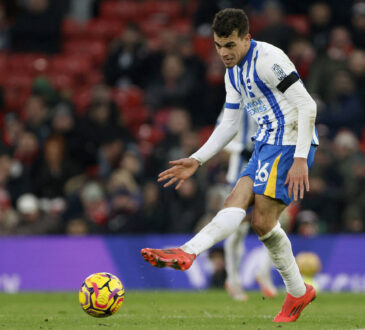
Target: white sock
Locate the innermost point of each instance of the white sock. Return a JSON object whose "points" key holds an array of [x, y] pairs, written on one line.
{"points": [[222, 225], [279, 246], [234, 251]]}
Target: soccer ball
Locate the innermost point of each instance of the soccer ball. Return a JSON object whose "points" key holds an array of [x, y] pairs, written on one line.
{"points": [[101, 294]]}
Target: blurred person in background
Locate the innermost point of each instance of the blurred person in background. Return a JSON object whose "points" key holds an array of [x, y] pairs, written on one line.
{"points": [[326, 195], [32, 220], [4, 29], [109, 155], [151, 217], [302, 54], [320, 15], [38, 28], [185, 207], [307, 223], [356, 66], [65, 124], [12, 128], [25, 163], [327, 65], [176, 86], [54, 170], [216, 258], [89, 204], [344, 108], [358, 24], [36, 115], [275, 32], [124, 202], [8, 217], [125, 63]]}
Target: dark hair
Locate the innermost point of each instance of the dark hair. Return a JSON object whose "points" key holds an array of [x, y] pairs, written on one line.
{"points": [[230, 19]]}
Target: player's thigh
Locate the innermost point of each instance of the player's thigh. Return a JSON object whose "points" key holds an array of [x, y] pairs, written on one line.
{"points": [[266, 214], [241, 195]]}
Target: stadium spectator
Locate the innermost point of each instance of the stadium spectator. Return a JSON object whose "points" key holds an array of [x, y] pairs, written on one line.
{"points": [[344, 108], [185, 207], [125, 63], [38, 28], [276, 32], [358, 24], [176, 86], [33, 221], [320, 25], [4, 29], [36, 115], [302, 54], [8, 217], [326, 66], [151, 217], [54, 170]]}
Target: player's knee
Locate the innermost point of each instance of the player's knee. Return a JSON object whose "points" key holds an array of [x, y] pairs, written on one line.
{"points": [[262, 223], [235, 200]]}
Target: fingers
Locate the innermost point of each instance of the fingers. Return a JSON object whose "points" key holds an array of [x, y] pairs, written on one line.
{"points": [[179, 184], [290, 188], [295, 188], [301, 190], [176, 162], [172, 181], [307, 184], [164, 176]]}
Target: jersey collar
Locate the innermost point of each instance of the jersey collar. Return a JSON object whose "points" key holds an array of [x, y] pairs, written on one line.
{"points": [[248, 55]]}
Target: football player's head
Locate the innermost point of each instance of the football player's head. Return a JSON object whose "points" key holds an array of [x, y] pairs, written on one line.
{"points": [[231, 37]]}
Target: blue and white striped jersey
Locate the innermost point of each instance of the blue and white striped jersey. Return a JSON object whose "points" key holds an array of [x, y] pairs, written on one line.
{"points": [[252, 85]]}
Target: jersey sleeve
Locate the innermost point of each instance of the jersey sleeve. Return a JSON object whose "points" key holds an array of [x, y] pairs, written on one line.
{"points": [[233, 97], [277, 70]]}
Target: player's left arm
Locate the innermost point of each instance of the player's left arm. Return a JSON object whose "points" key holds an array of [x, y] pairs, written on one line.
{"points": [[297, 178], [279, 72]]}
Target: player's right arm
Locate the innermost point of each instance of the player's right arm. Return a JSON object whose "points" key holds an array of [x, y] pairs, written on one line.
{"points": [[184, 168]]}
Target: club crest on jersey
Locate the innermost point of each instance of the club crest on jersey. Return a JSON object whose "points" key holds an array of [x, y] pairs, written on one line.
{"points": [[278, 71]]}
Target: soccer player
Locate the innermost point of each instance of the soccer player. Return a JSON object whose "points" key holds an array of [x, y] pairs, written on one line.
{"points": [[260, 77]]}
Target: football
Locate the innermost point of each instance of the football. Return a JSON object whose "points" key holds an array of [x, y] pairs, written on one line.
{"points": [[101, 294]]}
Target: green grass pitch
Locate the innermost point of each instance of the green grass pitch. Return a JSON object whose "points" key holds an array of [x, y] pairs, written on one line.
{"points": [[211, 309]]}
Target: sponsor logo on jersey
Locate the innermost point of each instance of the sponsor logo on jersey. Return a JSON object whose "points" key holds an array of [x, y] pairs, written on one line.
{"points": [[255, 106]]}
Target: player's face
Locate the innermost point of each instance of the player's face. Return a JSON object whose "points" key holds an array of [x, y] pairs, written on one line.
{"points": [[232, 49]]}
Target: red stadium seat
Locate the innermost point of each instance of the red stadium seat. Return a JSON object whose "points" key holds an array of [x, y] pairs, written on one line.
{"points": [[203, 47], [81, 100], [96, 49], [61, 81], [172, 9], [3, 62], [15, 98], [32, 63], [182, 26], [299, 23], [72, 29], [128, 97], [134, 117], [22, 81], [105, 29], [152, 28], [71, 64], [205, 133], [123, 10]]}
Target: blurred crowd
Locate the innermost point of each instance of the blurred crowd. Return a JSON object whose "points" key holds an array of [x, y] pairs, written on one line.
{"points": [[97, 96]]}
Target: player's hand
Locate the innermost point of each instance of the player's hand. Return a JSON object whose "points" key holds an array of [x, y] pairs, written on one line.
{"points": [[181, 170], [297, 178]]}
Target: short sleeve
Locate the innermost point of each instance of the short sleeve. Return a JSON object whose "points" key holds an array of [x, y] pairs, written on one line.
{"points": [[233, 97], [277, 70]]}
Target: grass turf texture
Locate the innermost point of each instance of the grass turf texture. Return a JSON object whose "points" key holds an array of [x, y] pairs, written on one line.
{"points": [[211, 309]]}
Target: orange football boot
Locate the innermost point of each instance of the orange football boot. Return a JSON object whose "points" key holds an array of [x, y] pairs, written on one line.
{"points": [[174, 258], [293, 306]]}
